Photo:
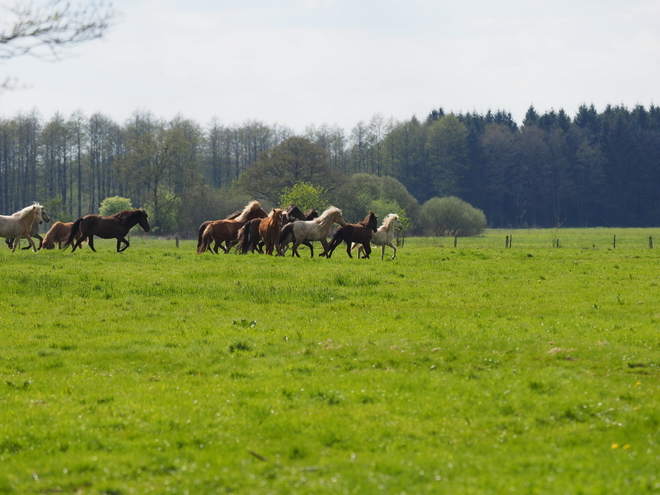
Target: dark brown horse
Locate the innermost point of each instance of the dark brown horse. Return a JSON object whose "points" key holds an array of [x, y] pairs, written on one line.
{"points": [[226, 231], [58, 233], [269, 230], [350, 233], [112, 227], [249, 238]]}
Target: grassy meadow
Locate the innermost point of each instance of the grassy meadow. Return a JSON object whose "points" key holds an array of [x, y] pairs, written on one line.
{"points": [[472, 369]]}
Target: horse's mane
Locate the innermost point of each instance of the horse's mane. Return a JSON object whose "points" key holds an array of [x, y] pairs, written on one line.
{"points": [[26, 211], [387, 223], [125, 215], [327, 216], [249, 208]]}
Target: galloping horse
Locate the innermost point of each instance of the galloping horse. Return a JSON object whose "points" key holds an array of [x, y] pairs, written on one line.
{"points": [[34, 230], [203, 226], [18, 225], [227, 230], [360, 232], [112, 227], [311, 230], [269, 230], [58, 233], [249, 238], [384, 235]]}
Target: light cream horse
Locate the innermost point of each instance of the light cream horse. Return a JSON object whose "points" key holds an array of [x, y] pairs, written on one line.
{"points": [[302, 232], [19, 224], [384, 235]]}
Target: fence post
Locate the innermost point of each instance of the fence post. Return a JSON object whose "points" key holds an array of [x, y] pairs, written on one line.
{"points": [[455, 240], [506, 242], [614, 244], [177, 241], [650, 242]]}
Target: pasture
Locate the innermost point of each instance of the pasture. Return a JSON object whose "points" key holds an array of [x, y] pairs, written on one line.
{"points": [[475, 369]]}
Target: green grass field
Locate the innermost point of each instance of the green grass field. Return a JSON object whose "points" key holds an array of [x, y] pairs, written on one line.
{"points": [[475, 369]]}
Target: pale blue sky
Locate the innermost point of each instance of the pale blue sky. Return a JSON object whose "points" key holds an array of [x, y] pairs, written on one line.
{"points": [[301, 62]]}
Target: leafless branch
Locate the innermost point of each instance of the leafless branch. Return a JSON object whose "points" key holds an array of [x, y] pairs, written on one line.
{"points": [[45, 31]]}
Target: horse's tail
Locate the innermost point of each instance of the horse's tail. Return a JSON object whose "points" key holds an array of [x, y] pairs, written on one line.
{"points": [[243, 239], [286, 236], [206, 239], [200, 233], [74, 230]]}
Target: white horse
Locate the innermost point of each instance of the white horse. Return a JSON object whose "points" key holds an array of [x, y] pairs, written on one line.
{"points": [[383, 236], [18, 225], [34, 230], [310, 230]]}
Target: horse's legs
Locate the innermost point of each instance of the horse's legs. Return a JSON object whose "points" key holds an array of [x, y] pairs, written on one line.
{"points": [[9, 242], [393, 248], [348, 249], [90, 241], [310, 246], [294, 249], [367, 249], [327, 251], [119, 241], [382, 251]]}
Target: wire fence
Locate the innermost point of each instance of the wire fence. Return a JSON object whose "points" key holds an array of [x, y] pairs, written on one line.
{"points": [[587, 238]]}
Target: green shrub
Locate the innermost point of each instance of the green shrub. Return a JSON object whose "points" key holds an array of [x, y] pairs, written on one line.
{"points": [[451, 216]]}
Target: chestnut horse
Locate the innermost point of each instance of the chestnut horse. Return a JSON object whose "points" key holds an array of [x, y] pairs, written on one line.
{"points": [[111, 227], [311, 230], [58, 233], [360, 233], [226, 231], [269, 230], [19, 224], [203, 226]]}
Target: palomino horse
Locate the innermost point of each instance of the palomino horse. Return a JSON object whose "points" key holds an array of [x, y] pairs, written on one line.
{"points": [[269, 230], [311, 230], [112, 227], [19, 224], [384, 235], [360, 232], [34, 230], [226, 231], [58, 233]]}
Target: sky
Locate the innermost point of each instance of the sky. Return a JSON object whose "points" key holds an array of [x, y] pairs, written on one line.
{"points": [[298, 63]]}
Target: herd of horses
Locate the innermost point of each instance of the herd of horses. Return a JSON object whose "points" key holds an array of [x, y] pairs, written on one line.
{"points": [[248, 230]]}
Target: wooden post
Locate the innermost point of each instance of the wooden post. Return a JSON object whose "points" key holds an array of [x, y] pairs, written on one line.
{"points": [[557, 242], [177, 241], [506, 242], [455, 240], [510, 240], [650, 242], [614, 244]]}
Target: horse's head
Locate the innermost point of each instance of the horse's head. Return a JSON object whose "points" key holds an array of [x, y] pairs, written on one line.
{"points": [[339, 218], [372, 221], [311, 214], [142, 220], [278, 216], [45, 218]]}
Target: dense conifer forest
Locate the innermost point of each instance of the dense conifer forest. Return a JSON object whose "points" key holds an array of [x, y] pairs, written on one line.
{"points": [[589, 169]]}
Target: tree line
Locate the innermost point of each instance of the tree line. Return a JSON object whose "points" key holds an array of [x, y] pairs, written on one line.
{"points": [[592, 169]]}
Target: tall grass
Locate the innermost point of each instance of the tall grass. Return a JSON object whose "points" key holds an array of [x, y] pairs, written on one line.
{"points": [[475, 369]]}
